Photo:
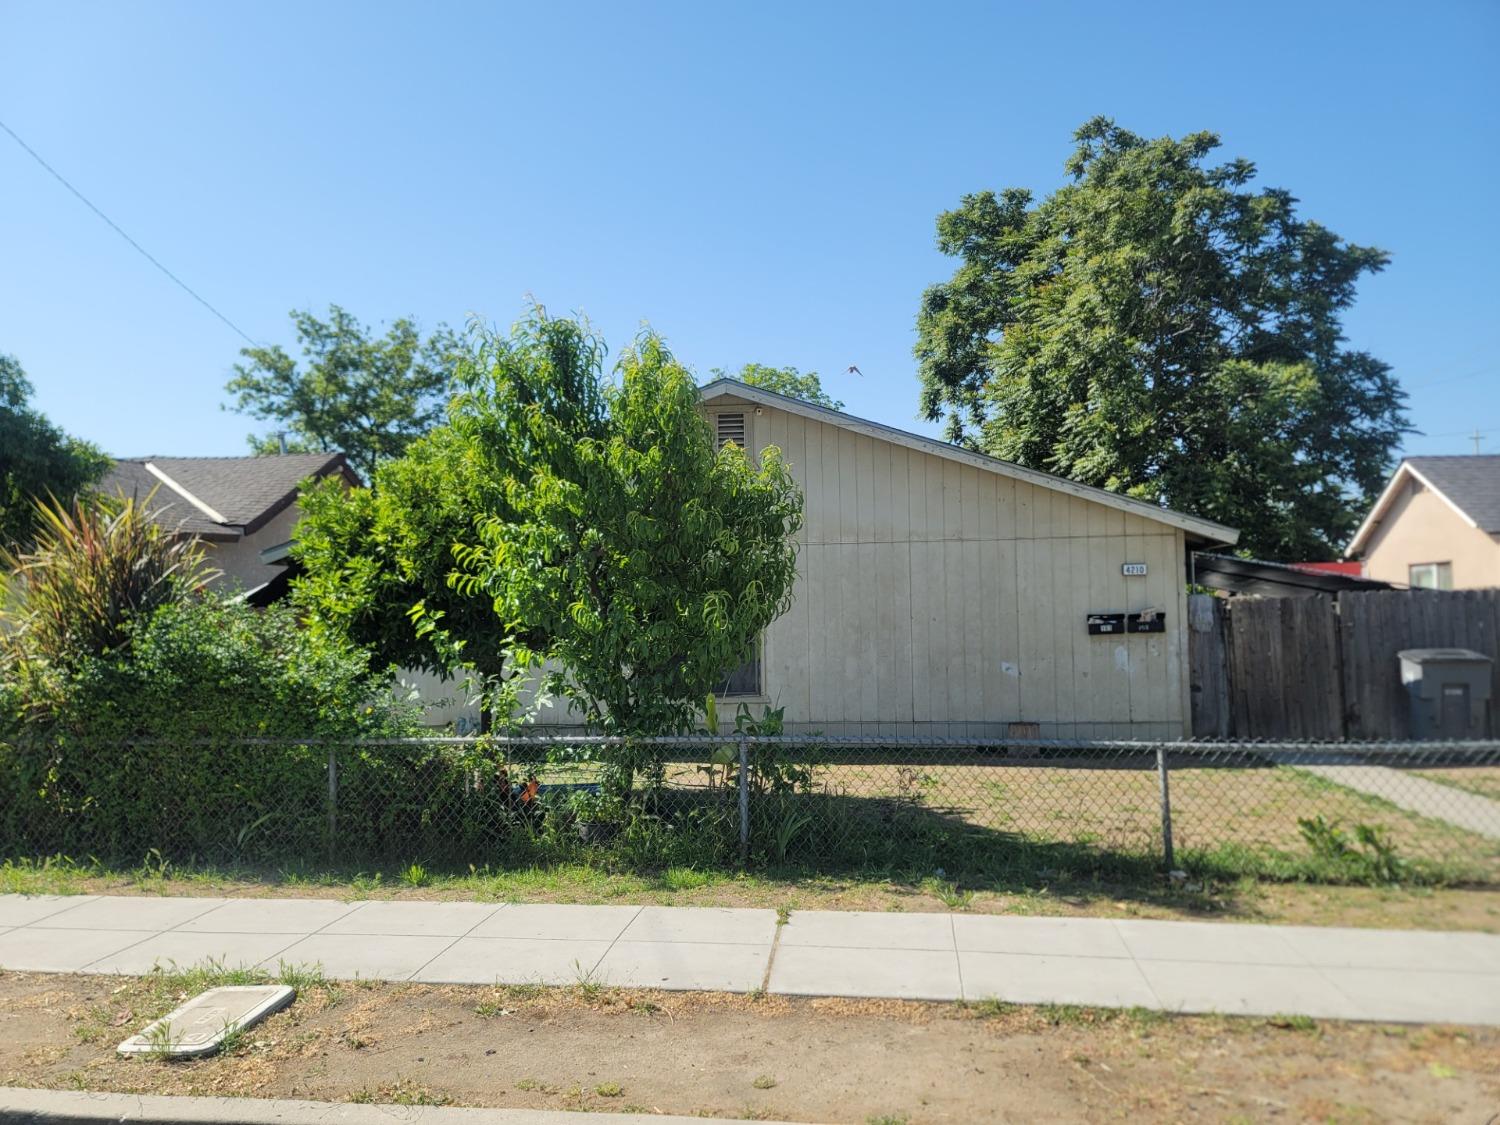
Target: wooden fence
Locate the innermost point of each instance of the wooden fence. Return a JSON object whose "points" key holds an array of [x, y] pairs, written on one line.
{"points": [[1316, 667]]}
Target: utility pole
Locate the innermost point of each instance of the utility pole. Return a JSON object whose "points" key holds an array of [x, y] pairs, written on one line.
{"points": [[1476, 437]]}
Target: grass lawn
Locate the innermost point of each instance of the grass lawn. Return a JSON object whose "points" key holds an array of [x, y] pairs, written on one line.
{"points": [[715, 1054], [1243, 899], [1116, 804], [1033, 837]]}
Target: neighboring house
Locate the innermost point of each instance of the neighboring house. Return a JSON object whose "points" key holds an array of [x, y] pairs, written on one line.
{"points": [[1436, 524], [237, 506], [943, 593]]}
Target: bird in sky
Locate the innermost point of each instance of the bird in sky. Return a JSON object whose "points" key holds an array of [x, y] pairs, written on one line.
{"points": [[854, 371]]}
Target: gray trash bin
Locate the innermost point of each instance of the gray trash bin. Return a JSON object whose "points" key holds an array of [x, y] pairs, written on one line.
{"points": [[1448, 690]]}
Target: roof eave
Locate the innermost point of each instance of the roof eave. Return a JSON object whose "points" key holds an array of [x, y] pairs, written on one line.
{"points": [[1204, 532], [337, 462]]}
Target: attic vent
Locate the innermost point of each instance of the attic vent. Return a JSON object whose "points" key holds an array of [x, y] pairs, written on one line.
{"points": [[730, 428]]}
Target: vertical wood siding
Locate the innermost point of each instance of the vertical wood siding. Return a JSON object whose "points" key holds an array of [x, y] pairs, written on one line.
{"points": [[941, 599]]}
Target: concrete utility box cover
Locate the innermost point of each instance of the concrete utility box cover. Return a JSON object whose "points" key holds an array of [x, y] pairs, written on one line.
{"points": [[201, 1025]]}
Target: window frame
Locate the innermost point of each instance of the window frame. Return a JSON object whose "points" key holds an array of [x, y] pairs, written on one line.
{"points": [[759, 691], [1441, 572]]}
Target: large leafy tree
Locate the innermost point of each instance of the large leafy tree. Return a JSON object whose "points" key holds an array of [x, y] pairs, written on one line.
{"points": [[641, 561], [562, 531], [37, 460], [784, 381], [377, 561], [365, 395], [1158, 327], [370, 556]]}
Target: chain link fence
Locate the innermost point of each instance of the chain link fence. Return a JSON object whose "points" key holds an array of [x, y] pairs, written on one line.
{"points": [[958, 809]]}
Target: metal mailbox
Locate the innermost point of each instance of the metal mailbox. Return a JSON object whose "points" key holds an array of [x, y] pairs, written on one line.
{"points": [[1147, 621]]}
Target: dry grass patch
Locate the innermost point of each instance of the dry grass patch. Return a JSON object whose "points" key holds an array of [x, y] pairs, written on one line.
{"points": [[825, 1059]]}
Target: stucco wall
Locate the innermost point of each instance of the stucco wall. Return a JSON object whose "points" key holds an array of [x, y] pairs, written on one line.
{"points": [[1421, 527], [240, 560]]}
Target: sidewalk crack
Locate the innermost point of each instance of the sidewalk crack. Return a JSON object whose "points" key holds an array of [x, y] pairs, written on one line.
{"points": [[963, 993], [594, 968], [765, 980], [413, 975], [1161, 1005]]}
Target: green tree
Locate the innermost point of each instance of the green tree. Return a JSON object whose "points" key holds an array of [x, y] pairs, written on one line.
{"points": [[376, 561], [1157, 327], [37, 459], [643, 562], [784, 381], [369, 555], [369, 397]]}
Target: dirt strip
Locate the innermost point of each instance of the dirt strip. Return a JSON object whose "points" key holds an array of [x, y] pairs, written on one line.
{"points": [[757, 1056]]}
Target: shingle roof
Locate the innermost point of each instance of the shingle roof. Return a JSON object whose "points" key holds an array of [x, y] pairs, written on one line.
{"points": [[1471, 482], [243, 492], [131, 478]]}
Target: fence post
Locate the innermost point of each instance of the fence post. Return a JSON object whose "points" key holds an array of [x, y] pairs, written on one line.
{"points": [[1166, 807], [333, 800], [744, 801]]}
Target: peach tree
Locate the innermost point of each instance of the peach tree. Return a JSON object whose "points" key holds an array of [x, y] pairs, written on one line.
{"points": [[632, 563]]}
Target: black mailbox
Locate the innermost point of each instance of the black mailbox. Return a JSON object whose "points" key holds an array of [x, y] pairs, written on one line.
{"points": [[1151, 621], [1106, 623]]}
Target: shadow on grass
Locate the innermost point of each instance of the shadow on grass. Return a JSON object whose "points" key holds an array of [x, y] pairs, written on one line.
{"points": [[818, 843]]}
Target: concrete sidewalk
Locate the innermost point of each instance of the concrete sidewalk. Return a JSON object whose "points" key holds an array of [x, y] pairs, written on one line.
{"points": [[1391, 975], [1453, 806]]}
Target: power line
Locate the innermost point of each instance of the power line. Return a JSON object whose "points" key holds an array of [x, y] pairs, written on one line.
{"points": [[116, 228], [1422, 385], [1469, 433]]}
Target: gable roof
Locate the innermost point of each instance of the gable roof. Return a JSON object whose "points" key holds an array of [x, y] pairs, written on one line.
{"points": [[1205, 531], [220, 497], [1469, 483]]}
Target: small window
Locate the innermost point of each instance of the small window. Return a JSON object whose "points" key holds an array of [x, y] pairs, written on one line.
{"points": [[744, 680], [729, 428], [1430, 576]]}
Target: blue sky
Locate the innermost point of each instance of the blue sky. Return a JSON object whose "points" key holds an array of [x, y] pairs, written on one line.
{"points": [[759, 181]]}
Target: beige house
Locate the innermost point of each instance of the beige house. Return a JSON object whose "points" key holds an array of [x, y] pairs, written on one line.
{"points": [[1436, 524], [237, 507], [947, 594]]}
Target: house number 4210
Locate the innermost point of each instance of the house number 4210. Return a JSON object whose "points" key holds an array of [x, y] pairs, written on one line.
{"points": [[1133, 570]]}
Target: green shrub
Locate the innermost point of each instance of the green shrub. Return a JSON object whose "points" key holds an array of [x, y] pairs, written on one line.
{"points": [[96, 567], [1369, 856], [145, 746]]}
